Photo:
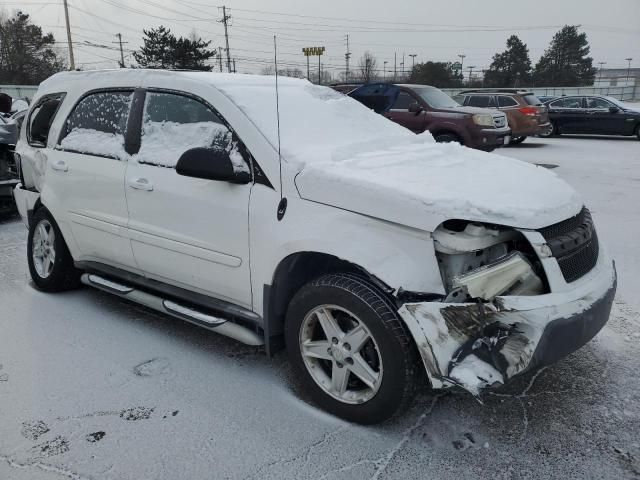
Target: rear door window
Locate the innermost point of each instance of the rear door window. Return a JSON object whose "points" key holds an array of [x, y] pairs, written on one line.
{"points": [[97, 125], [570, 102], [483, 101], [40, 119], [598, 103], [403, 101], [504, 101], [174, 123]]}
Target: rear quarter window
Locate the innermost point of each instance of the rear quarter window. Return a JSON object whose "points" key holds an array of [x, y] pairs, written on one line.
{"points": [[41, 118], [504, 101], [532, 99]]}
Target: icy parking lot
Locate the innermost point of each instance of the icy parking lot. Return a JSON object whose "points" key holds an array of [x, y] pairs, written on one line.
{"points": [[92, 387]]}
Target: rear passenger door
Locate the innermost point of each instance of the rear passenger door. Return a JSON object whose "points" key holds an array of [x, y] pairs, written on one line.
{"points": [[85, 175], [189, 232], [567, 113]]}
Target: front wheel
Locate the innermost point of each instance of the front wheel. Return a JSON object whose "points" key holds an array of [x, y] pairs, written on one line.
{"points": [[350, 351], [50, 262], [447, 138], [517, 140], [638, 132]]}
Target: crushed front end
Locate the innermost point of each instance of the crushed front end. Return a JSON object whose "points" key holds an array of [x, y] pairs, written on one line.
{"points": [[516, 300]]}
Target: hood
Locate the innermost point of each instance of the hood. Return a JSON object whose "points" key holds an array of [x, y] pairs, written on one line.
{"points": [[377, 96], [476, 110], [420, 184]]}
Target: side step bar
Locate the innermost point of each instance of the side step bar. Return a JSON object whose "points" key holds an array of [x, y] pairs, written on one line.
{"points": [[169, 307]]}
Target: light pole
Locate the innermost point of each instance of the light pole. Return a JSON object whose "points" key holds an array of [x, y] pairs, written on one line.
{"points": [[384, 70], [628, 70], [413, 60], [461, 61], [470, 73], [600, 76]]}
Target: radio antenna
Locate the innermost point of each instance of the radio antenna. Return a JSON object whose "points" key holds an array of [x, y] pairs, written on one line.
{"points": [[282, 206]]}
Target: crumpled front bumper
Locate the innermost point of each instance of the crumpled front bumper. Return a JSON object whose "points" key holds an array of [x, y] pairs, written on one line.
{"points": [[477, 345]]}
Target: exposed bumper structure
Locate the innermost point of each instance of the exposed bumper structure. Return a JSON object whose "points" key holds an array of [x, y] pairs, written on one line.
{"points": [[476, 345]]}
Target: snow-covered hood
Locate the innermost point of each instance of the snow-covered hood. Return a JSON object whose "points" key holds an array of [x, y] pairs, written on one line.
{"points": [[420, 184]]}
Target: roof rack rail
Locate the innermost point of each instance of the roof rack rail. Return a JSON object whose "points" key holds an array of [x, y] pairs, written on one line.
{"points": [[497, 90]]}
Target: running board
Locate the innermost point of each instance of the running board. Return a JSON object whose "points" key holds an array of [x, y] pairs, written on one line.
{"points": [[169, 307]]}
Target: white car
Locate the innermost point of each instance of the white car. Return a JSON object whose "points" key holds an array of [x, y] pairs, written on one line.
{"points": [[372, 253]]}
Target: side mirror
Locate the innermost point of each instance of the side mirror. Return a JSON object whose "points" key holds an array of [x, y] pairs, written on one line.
{"points": [[415, 108], [211, 164], [614, 109]]}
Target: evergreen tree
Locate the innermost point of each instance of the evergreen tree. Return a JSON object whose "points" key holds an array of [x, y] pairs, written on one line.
{"points": [[436, 74], [161, 49], [511, 68], [27, 56], [566, 61]]}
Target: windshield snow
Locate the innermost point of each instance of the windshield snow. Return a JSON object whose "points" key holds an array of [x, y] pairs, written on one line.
{"points": [[315, 121]]}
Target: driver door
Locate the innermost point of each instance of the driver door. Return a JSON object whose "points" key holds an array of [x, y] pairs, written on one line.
{"points": [[188, 232]]}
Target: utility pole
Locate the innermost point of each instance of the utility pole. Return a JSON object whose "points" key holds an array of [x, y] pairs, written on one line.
{"points": [[600, 76], [395, 59], [121, 52], [413, 60], [220, 57], [462, 63], [403, 65], [628, 70], [384, 70], [225, 21], [234, 65], [346, 60], [72, 63], [470, 73]]}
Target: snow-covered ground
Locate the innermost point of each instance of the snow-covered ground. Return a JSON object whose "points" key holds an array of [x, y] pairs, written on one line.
{"points": [[92, 387]]}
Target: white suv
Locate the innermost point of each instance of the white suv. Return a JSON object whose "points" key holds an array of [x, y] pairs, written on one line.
{"points": [[372, 253]]}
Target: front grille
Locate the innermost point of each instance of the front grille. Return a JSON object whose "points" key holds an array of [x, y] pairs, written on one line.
{"points": [[574, 244], [500, 121], [579, 262]]}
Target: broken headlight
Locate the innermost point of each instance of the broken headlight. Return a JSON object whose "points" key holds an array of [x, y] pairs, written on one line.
{"points": [[480, 262]]}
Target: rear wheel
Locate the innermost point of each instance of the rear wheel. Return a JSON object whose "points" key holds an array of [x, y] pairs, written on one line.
{"points": [[517, 140], [447, 138], [350, 351], [549, 130], [638, 132], [50, 262]]}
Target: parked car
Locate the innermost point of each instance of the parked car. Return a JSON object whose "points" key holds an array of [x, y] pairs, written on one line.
{"points": [[546, 98], [526, 114], [8, 172], [370, 252], [423, 108], [595, 114]]}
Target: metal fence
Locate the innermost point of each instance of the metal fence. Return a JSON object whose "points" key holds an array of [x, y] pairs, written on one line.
{"points": [[627, 94], [19, 91]]}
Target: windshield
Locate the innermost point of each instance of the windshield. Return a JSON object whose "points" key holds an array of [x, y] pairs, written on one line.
{"points": [[435, 98], [616, 102], [314, 121]]}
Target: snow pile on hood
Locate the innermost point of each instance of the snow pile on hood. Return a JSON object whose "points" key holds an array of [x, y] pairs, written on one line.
{"points": [[314, 120], [420, 184]]}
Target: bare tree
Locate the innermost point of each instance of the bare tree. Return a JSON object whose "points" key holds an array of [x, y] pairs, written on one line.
{"points": [[367, 65]]}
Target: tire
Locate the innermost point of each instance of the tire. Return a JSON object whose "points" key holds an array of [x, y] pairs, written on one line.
{"points": [[550, 131], [517, 140], [447, 138], [389, 352], [638, 132], [51, 267]]}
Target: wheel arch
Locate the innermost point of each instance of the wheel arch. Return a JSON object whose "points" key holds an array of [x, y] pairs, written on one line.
{"points": [[293, 272]]}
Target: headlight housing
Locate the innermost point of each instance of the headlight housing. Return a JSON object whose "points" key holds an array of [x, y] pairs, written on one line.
{"points": [[483, 119]]}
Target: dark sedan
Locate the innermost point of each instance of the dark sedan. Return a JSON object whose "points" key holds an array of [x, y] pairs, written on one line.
{"points": [[592, 114]]}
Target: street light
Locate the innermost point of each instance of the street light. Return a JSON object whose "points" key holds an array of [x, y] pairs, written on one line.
{"points": [[600, 76], [413, 60], [470, 73], [384, 70], [628, 70]]}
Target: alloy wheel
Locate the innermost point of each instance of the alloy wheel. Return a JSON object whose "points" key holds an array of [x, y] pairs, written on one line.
{"points": [[340, 354], [43, 248]]}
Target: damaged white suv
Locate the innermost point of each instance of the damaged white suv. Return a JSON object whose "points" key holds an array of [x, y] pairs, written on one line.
{"points": [[372, 253]]}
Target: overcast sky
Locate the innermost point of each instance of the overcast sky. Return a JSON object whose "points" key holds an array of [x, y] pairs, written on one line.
{"points": [[432, 30]]}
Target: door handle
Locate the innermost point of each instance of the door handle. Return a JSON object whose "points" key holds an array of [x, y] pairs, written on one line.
{"points": [[140, 183], [60, 165]]}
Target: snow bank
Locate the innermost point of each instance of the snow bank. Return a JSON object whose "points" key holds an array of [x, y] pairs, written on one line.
{"points": [[85, 140]]}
